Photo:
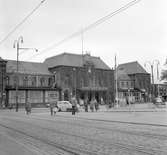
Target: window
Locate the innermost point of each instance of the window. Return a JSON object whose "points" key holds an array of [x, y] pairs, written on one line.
{"points": [[42, 80], [127, 84], [33, 81], [25, 81], [50, 81], [7, 80], [15, 80], [122, 83]]}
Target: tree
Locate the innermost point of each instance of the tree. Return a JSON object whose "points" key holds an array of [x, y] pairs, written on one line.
{"points": [[164, 72]]}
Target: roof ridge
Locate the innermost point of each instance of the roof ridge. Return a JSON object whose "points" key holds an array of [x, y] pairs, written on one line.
{"points": [[74, 54], [25, 61], [129, 63]]}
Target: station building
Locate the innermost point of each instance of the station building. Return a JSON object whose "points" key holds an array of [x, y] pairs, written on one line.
{"points": [[57, 78], [133, 82]]}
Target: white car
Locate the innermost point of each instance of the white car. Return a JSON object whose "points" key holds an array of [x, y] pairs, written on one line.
{"points": [[64, 106]]}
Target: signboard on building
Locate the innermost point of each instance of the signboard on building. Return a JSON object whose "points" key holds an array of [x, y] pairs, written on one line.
{"points": [[51, 96]]}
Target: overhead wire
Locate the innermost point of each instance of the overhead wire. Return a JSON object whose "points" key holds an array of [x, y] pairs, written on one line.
{"points": [[19, 24], [94, 24]]}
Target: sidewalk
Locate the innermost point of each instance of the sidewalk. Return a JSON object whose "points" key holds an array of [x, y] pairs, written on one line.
{"points": [[145, 107]]}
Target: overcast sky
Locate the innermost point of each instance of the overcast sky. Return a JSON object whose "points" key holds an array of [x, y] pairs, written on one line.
{"points": [[136, 34]]}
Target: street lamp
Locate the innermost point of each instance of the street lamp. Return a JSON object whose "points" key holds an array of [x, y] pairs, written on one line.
{"points": [[17, 46], [152, 71], [74, 81]]}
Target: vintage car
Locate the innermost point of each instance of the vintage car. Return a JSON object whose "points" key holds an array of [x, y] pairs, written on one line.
{"points": [[64, 106], [158, 101]]}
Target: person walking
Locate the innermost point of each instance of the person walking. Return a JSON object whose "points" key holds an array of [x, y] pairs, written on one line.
{"points": [[55, 109], [96, 105], [74, 104], [51, 108], [86, 105], [28, 108], [92, 104]]}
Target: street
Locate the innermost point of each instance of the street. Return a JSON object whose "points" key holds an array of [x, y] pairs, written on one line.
{"points": [[98, 133]]}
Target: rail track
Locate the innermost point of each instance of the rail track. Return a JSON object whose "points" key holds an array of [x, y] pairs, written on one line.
{"points": [[78, 151], [144, 134]]}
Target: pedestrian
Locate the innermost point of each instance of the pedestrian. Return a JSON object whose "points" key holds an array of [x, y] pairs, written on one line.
{"points": [[86, 105], [96, 105], [51, 108], [28, 107], [92, 104], [74, 104], [11, 106], [55, 109]]}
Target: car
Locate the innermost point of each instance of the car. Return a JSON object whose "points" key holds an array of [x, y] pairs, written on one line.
{"points": [[159, 102], [64, 106]]}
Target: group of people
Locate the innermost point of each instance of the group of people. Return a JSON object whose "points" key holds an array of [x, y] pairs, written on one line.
{"points": [[94, 105]]}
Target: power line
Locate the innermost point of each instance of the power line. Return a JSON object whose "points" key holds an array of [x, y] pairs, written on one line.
{"points": [[94, 24], [19, 24]]}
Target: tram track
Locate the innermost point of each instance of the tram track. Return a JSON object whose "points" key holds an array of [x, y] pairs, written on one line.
{"points": [[65, 148], [77, 151], [144, 134]]}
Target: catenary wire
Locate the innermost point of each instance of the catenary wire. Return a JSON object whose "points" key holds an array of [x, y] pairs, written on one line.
{"points": [[19, 24], [91, 26]]}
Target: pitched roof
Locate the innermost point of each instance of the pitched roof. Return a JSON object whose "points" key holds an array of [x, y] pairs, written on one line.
{"points": [[132, 68], [27, 67], [122, 75], [76, 60]]}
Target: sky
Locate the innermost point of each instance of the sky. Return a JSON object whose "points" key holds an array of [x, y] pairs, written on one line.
{"points": [[136, 34]]}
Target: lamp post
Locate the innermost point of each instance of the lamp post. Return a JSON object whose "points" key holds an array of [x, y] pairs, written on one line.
{"points": [[17, 46], [158, 63], [152, 71], [74, 80]]}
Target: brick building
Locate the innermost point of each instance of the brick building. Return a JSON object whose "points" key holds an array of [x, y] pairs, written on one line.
{"points": [[35, 84], [133, 82], [2, 82], [160, 89], [57, 78], [82, 75]]}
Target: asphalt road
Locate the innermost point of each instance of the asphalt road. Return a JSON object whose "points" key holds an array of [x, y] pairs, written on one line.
{"points": [[84, 134]]}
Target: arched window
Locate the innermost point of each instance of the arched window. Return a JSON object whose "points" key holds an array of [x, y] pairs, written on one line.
{"points": [[25, 81], [7, 80]]}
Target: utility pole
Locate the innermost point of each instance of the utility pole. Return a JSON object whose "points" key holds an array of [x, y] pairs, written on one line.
{"points": [[17, 46], [116, 85], [152, 72]]}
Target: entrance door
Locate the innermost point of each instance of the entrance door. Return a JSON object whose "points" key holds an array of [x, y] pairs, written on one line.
{"points": [[66, 95]]}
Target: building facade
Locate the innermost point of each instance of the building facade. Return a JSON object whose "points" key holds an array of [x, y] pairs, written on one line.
{"points": [[133, 82], [84, 76], [35, 84], [57, 78], [2, 82], [160, 89]]}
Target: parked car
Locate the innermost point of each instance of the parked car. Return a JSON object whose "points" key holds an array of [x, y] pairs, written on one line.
{"points": [[64, 106], [159, 102]]}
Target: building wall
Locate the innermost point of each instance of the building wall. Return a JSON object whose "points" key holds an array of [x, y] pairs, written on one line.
{"points": [[143, 81], [137, 89], [36, 89], [35, 97], [2, 82], [75, 78], [160, 90], [29, 80]]}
